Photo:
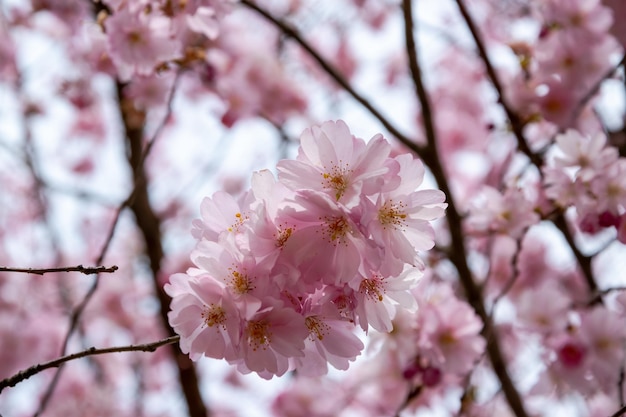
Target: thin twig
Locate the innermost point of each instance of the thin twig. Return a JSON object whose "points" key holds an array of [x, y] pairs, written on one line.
{"points": [[168, 113], [33, 370], [87, 270], [516, 123], [583, 261], [594, 88]]}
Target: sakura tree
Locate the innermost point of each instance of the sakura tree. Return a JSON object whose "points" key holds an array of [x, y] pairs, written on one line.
{"points": [[312, 208]]}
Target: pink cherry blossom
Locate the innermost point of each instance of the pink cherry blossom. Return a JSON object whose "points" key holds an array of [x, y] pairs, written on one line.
{"points": [[552, 316], [221, 215], [378, 295], [589, 16], [332, 340], [324, 230], [204, 315], [591, 155], [246, 280], [335, 162], [449, 332], [398, 220], [139, 42], [510, 213], [270, 338]]}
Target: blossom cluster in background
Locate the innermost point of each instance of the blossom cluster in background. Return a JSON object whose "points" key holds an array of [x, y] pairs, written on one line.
{"points": [[284, 274]]}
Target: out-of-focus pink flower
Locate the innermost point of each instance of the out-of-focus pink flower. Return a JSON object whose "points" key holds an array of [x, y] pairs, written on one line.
{"points": [[510, 214], [618, 7], [139, 42], [543, 308], [590, 154], [588, 16], [449, 333]]}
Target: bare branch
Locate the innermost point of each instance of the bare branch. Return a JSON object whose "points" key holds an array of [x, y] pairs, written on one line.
{"points": [[87, 270], [33, 370], [416, 75]]}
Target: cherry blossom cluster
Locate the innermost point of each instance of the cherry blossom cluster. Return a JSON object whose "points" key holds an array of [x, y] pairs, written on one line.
{"points": [[573, 50], [285, 273], [589, 174], [433, 351]]}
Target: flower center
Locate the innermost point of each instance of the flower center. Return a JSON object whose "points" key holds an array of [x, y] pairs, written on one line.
{"points": [[259, 335], [240, 282], [282, 236], [372, 288], [392, 214], [239, 221], [317, 328], [335, 228], [214, 315], [337, 179], [571, 355]]}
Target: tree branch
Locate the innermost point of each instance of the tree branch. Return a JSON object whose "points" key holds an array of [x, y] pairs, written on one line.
{"points": [[149, 225], [87, 270], [458, 253], [33, 370]]}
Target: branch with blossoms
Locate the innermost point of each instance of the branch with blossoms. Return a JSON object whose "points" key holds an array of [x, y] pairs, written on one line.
{"points": [[55, 363], [87, 270], [517, 126], [458, 254]]}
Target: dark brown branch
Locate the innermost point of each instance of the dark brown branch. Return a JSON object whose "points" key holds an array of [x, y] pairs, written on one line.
{"points": [[458, 252], [33, 370], [149, 225], [291, 32], [619, 412], [583, 261], [413, 393], [87, 270], [416, 75]]}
